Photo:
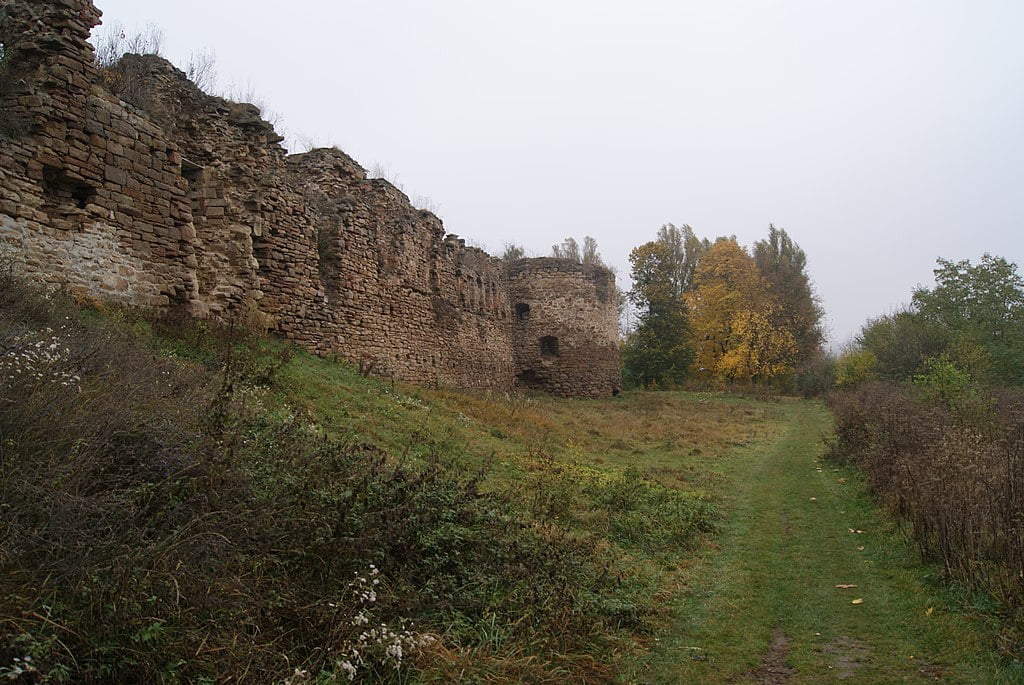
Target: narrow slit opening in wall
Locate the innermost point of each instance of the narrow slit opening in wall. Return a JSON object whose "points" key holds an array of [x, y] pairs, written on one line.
{"points": [[193, 173], [523, 311], [549, 346]]}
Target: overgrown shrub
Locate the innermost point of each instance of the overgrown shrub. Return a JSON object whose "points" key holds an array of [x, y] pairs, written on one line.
{"points": [[854, 367], [163, 521], [953, 470]]}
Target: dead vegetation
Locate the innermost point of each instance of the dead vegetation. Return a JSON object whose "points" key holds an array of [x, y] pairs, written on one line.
{"points": [[954, 472]]}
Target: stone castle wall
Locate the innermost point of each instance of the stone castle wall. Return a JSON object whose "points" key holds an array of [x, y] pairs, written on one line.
{"points": [[187, 200], [409, 300], [91, 193]]}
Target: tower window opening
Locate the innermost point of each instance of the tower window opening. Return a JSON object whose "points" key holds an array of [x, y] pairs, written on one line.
{"points": [[549, 346]]}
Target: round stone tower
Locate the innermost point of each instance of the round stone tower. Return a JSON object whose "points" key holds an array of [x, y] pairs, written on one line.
{"points": [[565, 328]]}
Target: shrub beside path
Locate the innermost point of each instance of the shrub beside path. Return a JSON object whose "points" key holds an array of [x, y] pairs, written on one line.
{"points": [[809, 582]]}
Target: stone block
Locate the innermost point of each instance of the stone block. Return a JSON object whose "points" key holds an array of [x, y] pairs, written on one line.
{"points": [[115, 175]]}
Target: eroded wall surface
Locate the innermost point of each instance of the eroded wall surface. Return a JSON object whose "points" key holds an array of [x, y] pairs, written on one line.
{"points": [[91, 194], [181, 199], [408, 299]]}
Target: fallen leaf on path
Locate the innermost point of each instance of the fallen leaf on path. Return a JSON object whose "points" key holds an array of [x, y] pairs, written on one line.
{"points": [[857, 601], [814, 499], [845, 586], [854, 530], [928, 611], [861, 548]]}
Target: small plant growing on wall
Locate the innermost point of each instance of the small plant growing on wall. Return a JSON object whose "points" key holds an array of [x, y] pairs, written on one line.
{"points": [[5, 59]]}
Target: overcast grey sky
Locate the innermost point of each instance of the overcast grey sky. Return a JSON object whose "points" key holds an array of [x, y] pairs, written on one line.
{"points": [[880, 134]]}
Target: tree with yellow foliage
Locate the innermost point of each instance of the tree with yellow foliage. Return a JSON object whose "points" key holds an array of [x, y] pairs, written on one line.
{"points": [[758, 349], [731, 313]]}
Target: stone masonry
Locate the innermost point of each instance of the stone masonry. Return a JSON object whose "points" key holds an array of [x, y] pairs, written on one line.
{"points": [[187, 201], [565, 328]]}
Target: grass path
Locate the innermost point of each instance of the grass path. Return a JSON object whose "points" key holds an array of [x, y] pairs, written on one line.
{"points": [[761, 605]]}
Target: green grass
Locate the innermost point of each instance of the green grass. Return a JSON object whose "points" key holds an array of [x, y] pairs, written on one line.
{"points": [[772, 568], [650, 537], [674, 437], [763, 595]]}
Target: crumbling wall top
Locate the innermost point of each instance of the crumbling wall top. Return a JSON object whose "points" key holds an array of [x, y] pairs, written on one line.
{"points": [[329, 161], [54, 27], [538, 264], [602, 277]]}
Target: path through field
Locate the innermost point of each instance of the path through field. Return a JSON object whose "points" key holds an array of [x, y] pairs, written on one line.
{"points": [[809, 583]]}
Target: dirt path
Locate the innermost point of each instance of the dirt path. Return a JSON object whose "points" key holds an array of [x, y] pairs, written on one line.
{"points": [[809, 583]]}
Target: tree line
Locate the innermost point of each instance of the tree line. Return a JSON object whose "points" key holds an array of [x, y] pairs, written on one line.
{"points": [[968, 329], [718, 313]]}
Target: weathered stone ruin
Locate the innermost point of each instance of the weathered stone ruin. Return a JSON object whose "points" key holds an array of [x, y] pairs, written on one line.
{"points": [[184, 200]]}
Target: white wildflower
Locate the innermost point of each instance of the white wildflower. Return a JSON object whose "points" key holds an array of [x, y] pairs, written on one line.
{"points": [[349, 668]]}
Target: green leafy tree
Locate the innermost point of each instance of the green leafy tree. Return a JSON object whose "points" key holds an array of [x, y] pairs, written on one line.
{"points": [[972, 320], [900, 342], [942, 380], [784, 265], [981, 306], [657, 352]]}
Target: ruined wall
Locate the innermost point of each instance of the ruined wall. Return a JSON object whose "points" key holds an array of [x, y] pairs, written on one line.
{"points": [[566, 327], [255, 243], [187, 200], [91, 196], [413, 303]]}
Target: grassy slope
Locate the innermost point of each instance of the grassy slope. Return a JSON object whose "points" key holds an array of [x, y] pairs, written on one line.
{"points": [[673, 437], [764, 604], [768, 579]]}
